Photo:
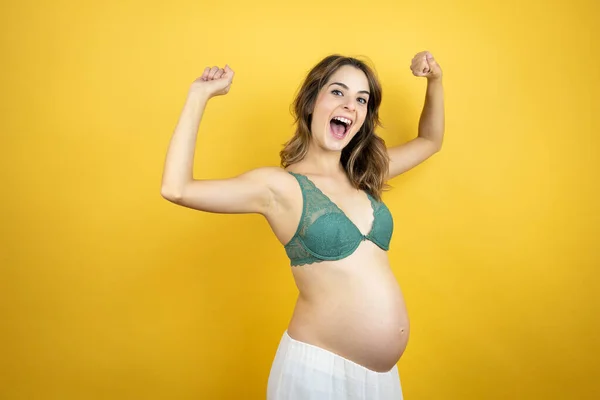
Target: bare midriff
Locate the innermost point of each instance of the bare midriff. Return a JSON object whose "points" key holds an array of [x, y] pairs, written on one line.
{"points": [[352, 307]]}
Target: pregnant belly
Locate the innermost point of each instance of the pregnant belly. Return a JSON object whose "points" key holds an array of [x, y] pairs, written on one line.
{"points": [[360, 316]]}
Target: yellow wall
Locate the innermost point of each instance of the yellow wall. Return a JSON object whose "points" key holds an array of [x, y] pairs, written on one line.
{"points": [[107, 291]]}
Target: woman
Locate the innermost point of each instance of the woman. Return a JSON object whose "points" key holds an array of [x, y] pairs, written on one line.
{"points": [[350, 326]]}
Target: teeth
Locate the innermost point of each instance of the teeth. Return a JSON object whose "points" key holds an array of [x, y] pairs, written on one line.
{"points": [[344, 120]]}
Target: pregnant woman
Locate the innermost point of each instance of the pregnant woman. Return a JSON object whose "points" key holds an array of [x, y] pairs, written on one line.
{"points": [[324, 204]]}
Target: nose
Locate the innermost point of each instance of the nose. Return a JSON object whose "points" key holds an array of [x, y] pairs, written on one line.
{"points": [[349, 104]]}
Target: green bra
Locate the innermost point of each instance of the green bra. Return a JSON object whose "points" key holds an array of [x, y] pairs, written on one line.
{"points": [[325, 233]]}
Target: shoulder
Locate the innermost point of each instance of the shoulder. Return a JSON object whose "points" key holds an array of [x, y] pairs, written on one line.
{"points": [[282, 183], [265, 173], [283, 191], [278, 180], [269, 175]]}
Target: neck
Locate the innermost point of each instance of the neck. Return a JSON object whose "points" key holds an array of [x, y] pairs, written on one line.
{"points": [[323, 162]]}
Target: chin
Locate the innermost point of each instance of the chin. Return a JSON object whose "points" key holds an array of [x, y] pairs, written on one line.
{"points": [[335, 145], [328, 143]]}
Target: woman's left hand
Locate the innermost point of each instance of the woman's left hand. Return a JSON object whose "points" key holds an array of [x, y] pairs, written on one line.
{"points": [[423, 64]]}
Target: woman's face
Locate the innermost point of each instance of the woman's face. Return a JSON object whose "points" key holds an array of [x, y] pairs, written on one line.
{"points": [[340, 108]]}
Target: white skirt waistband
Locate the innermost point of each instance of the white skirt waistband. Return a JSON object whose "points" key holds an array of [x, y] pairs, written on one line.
{"points": [[302, 371]]}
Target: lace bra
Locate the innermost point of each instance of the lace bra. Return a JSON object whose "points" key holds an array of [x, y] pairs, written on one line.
{"points": [[325, 233]]}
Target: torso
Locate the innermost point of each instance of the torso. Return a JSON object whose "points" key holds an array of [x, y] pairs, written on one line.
{"points": [[354, 306]]}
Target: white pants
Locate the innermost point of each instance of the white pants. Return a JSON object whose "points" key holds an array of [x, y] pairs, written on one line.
{"points": [[302, 371]]}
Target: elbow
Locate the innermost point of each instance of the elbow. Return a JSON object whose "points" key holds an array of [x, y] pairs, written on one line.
{"points": [[437, 145], [434, 146], [168, 193]]}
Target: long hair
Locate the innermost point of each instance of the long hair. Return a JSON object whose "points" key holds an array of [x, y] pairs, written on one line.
{"points": [[365, 157]]}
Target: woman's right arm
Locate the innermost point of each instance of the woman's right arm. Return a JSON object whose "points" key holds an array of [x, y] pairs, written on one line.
{"points": [[246, 193]]}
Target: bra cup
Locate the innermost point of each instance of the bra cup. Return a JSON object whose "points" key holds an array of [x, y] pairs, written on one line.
{"points": [[382, 231], [325, 233], [331, 235]]}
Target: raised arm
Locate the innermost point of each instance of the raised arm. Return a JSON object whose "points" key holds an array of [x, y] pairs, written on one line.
{"points": [[431, 124], [246, 193]]}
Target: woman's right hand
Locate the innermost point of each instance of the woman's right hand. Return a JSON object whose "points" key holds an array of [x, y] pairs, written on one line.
{"points": [[214, 81]]}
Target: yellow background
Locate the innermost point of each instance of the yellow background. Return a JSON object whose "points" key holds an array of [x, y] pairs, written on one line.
{"points": [[107, 291]]}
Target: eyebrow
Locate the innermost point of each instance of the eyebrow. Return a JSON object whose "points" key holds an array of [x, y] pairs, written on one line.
{"points": [[347, 88]]}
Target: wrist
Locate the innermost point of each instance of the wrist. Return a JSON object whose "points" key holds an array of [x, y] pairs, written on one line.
{"points": [[434, 80], [198, 96]]}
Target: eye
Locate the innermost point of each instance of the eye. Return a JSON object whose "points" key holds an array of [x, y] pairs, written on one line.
{"points": [[334, 91], [362, 100]]}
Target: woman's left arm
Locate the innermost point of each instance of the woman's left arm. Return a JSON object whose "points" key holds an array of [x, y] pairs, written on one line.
{"points": [[431, 123]]}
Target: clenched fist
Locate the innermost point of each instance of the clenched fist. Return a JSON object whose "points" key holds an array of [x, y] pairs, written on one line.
{"points": [[214, 81], [423, 64]]}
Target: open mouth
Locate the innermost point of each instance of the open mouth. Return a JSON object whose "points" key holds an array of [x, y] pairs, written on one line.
{"points": [[340, 126]]}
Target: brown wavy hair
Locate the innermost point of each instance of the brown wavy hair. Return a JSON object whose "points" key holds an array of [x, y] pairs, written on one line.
{"points": [[365, 158]]}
